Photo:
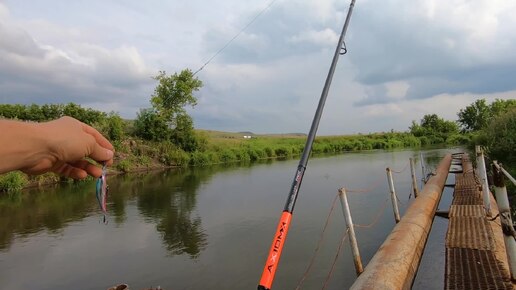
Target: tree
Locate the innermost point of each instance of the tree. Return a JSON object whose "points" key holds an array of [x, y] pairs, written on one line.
{"points": [[113, 126], [478, 115], [433, 124], [416, 129], [475, 116], [433, 130], [173, 93], [499, 107], [183, 134], [500, 137], [149, 125], [170, 97]]}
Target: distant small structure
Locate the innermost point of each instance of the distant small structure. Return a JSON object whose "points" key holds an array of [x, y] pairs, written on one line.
{"points": [[248, 136]]}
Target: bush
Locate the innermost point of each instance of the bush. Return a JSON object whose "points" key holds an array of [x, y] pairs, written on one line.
{"points": [[199, 159], [269, 152], [124, 165], [227, 156], [457, 140], [12, 181], [213, 157], [151, 126], [282, 152], [176, 157], [144, 160], [253, 155], [242, 155]]}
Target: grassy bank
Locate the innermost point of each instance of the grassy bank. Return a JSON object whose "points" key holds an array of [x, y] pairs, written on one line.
{"points": [[221, 147]]}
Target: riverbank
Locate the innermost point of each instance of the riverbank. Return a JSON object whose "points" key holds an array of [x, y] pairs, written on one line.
{"points": [[136, 155]]}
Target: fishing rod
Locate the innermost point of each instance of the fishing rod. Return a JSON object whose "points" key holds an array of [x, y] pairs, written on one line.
{"points": [[271, 264]]}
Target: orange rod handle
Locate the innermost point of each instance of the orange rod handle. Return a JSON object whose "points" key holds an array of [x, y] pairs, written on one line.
{"points": [[275, 252]]}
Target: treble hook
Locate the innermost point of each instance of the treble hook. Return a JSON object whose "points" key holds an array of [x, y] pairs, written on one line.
{"points": [[343, 49]]}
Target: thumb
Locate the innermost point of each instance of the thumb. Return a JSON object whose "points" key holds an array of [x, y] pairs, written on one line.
{"points": [[101, 154]]}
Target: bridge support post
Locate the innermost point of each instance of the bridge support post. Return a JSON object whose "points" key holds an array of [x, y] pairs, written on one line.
{"points": [[509, 234], [394, 199], [423, 177], [352, 238], [414, 181]]}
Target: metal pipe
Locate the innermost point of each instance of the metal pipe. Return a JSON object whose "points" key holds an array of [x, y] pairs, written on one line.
{"points": [[507, 174], [413, 173], [352, 238], [393, 195], [504, 208], [481, 167], [395, 264]]}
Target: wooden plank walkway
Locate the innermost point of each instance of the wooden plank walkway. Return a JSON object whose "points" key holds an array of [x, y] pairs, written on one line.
{"points": [[471, 262]]}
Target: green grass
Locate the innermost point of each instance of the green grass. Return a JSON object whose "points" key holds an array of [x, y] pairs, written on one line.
{"points": [[224, 147], [12, 181]]}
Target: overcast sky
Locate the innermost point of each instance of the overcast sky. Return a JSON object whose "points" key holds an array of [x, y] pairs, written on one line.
{"points": [[405, 58]]}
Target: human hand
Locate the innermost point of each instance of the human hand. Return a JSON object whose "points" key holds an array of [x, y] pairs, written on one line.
{"points": [[66, 144]]}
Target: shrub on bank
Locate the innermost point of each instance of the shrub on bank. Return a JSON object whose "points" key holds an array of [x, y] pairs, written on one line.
{"points": [[124, 165], [12, 181], [199, 159]]}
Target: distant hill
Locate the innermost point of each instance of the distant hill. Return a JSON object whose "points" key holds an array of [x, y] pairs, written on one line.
{"points": [[247, 133], [287, 135]]}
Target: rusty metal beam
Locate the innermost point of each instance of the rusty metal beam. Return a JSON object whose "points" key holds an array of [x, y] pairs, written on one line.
{"points": [[395, 264]]}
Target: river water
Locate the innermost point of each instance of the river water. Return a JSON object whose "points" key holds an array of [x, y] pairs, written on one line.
{"points": [[204, 228]]}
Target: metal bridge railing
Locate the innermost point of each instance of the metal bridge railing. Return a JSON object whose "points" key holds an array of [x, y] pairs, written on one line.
{"points": [[504, 208]]}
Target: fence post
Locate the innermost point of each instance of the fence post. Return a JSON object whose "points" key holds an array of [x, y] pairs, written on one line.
{"points": [[352, 238], [481, 167], [509, 234], [393, 195], [413, 173]]}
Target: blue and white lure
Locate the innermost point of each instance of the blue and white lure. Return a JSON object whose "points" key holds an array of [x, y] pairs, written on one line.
{"points": [[102, 192]]}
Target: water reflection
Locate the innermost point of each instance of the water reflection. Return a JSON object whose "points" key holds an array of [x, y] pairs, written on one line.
{"points": [[168, 199], [165, 198], [169, 228], [27, 212]]}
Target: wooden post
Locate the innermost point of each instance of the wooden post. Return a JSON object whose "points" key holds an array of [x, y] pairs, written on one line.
{"points": [[352, 238], [413, 173], [393, 195]]}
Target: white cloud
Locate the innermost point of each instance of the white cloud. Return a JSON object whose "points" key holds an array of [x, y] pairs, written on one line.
{"points": [[37, 72], [405, 58], [435, 47], [397, 90], [326, 37]]}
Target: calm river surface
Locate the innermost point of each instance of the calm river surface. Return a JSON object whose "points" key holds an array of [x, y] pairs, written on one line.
{"points": [[200, 228]]}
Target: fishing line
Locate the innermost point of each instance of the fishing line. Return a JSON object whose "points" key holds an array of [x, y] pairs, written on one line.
{"points": [[235, 37]]}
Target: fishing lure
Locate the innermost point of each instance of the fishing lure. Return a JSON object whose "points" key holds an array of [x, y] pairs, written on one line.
{"points": [[102, 192]]}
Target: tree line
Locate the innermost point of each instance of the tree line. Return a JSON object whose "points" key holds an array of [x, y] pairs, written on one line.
{"points": [[492, 125], [167, 122]]}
